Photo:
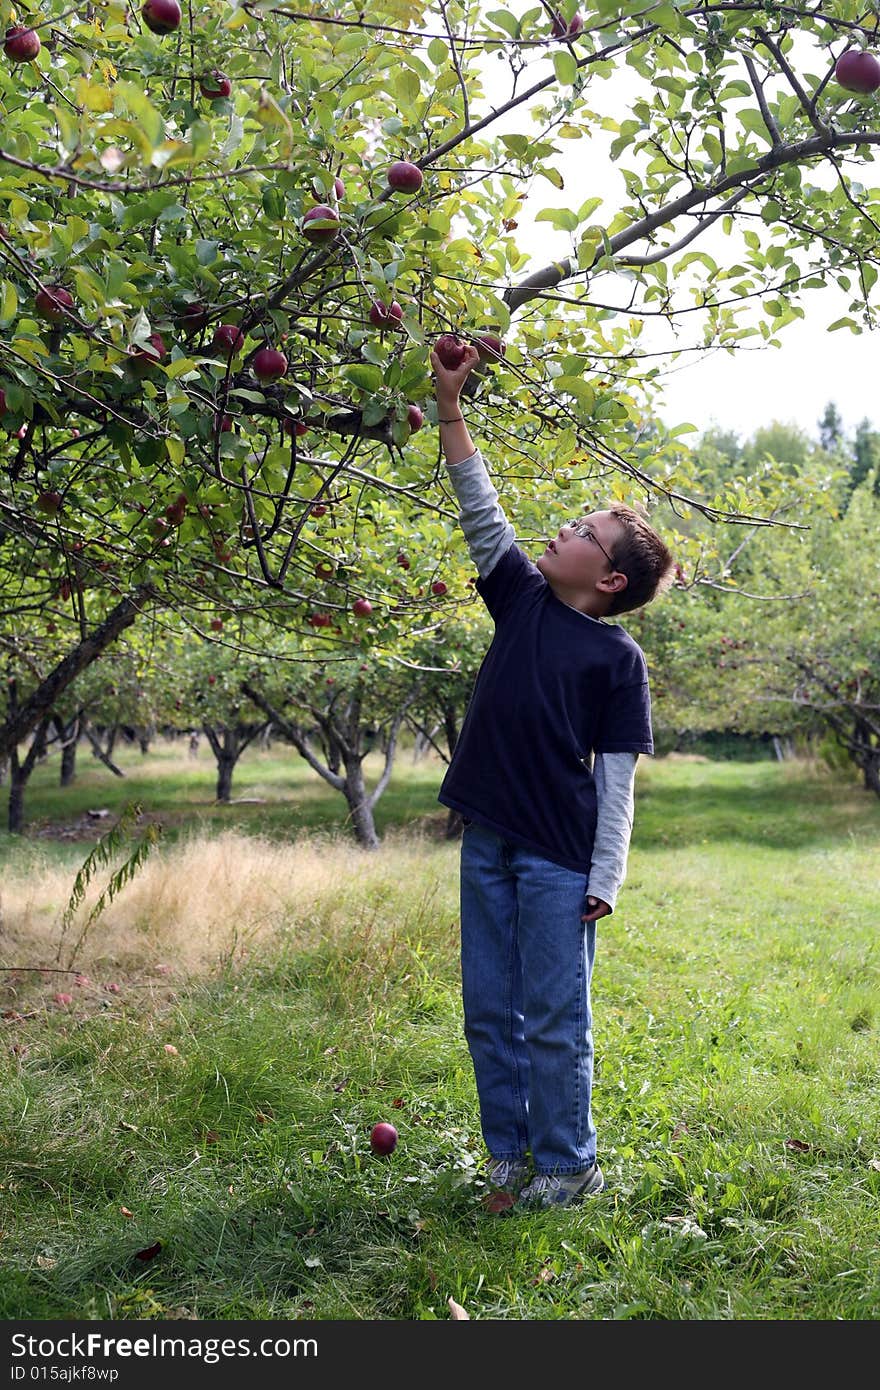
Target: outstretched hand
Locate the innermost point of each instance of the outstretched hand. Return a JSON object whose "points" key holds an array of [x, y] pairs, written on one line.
{"points": [[450, 382], [597, 909]]}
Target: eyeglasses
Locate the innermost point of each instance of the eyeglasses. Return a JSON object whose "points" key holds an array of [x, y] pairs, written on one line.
{"points": [[585, 531]]}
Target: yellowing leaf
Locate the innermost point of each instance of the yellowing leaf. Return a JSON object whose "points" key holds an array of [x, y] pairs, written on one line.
{"points": [[93, 95], [176, 452]]}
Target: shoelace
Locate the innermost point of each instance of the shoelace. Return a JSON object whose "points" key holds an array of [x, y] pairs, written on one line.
{"points": [[544, 1182], [502, 1171]]}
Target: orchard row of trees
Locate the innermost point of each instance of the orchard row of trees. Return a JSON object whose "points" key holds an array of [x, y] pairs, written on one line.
{"points": [[218, 298]]}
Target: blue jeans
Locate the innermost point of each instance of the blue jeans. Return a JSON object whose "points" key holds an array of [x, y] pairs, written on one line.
{"points": [[526, 965]]}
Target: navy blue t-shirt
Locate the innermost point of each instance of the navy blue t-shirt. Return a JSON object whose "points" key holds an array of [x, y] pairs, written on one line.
{"points": [[554, 688]]}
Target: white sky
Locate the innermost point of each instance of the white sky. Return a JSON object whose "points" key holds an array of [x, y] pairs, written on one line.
{"points": [[740, 391]]}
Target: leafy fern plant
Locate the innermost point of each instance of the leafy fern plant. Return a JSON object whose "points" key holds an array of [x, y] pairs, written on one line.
{"points": [[105, 852]]}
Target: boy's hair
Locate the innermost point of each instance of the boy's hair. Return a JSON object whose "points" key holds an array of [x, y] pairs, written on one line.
{"points": [[643, 557]]}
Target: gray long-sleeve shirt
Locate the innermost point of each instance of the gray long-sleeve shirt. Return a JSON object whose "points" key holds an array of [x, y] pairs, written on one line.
{"points": [[489, 535]]}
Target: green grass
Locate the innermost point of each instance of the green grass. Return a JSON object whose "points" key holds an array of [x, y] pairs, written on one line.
{"points": [[737, 1088]]}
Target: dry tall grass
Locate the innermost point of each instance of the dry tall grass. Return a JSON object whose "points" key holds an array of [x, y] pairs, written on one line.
{"points": [[209, 901]]}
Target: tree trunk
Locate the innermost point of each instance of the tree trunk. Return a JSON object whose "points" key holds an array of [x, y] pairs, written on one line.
{"points": [[225, 769], [17, 783], [358, 800], [68, 762], [871, 773], [228, 742], [68, 737], [454, 819], [28, 715], [21, 771]]}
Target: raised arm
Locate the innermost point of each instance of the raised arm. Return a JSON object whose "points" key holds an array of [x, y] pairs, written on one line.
{"points": [[486, 529]]}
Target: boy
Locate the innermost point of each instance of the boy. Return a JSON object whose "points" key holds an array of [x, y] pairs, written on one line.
{"points": [[543, 776]]}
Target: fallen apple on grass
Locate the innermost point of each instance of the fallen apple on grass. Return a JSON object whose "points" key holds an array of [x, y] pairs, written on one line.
{"points": [[383, 1138]]}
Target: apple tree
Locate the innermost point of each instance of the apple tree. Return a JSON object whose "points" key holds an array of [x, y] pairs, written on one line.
{"points": [[230, 236]]}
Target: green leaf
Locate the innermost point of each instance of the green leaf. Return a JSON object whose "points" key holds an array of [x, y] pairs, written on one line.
{"points": [[588, 208], [438, 52], [366, 377], [565, 67], [8, 302], [504, 20], [575, 386], [181, 366], [206, 251], [255, 397], [176, 449], [552, 175], [516, 144], [563, 219]]}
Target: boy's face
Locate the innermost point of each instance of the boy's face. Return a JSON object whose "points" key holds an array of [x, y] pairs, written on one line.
{"points": [[577, 563]]}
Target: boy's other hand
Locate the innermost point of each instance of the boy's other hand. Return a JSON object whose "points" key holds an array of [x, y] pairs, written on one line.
{"points": [[597, 908], [449, 383]]}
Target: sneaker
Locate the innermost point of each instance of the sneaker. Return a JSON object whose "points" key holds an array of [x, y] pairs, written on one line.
{"points": [[507, 1174], [548, 1190]]}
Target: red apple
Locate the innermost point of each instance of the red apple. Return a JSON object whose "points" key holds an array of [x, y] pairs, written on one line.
{"points": [[415, 418], [319, 509], [216, 624], [215, 85], [490, 347], [320, 223], [193, 317], [383, 1138], [320, 619], [858, 71], [383, 315], [21, 432], [225, 423], [49, 502], [158, 526], [212, 680], [176, 510], [228, 339], [438, 587], [339, 188], [451, 351], [141, 360], [51, 302], [362, 608], [162, 16], [298, 427], [324, 570], [22, 45], [63, 998], [405, 177], [562, 30], [269, 364]]}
